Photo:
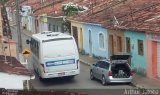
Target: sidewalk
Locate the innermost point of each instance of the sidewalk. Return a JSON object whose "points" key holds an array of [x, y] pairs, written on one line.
{"points": [[138, 81]]}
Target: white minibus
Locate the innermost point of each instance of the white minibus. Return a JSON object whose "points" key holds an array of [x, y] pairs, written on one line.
{"points": [[54, 54]]}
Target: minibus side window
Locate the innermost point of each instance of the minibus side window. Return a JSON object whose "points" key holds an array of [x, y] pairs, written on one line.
{"points": [[34, 47]]}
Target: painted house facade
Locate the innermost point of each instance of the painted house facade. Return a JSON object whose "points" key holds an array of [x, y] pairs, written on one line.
{"points": [[35, 24], [92, 39], [12, 81], [26, 19], [13, 73], [153, 55], [135, 44], [43, 23], [55, 24], [77, 32], [95, 40], [51, 23], [115, 41]]}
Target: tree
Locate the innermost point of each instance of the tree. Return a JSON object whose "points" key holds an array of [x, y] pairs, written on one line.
{"points": [[70, 9]]}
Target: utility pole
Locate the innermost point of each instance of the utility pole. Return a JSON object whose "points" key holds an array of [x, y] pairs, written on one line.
{"points": [[18, 27]]}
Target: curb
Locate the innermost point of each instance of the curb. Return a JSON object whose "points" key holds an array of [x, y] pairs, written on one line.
{"points": [[84, 62]]}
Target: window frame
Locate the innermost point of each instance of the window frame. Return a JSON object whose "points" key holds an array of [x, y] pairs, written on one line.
{"points": [[57, 28], [98, 63], [119, 44], [128, 44], [54, 28], [140, 47], [101, 38], [35, 47], [49, 27], [105, 64]]}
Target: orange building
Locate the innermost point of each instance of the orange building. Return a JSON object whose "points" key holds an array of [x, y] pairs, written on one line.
{"points": [[153, 55]]}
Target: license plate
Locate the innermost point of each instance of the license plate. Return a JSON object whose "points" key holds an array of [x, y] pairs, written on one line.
{"points": [[61, 74]]}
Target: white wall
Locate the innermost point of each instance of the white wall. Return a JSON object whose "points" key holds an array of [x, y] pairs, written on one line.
{"points": [[26, 10], [43, 27], [9, 14], [12, 81]]}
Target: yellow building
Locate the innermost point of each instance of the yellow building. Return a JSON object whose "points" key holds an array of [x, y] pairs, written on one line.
{"points": [[77, 32]]}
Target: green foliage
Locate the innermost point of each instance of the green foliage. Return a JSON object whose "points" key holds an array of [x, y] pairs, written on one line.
{"points": [[71, 9], [67, 26]]}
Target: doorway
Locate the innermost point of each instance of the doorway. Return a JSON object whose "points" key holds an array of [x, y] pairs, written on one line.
{"points": [[158, 60], [81, 39], [128, 48], [90, 43], [111, 45]]}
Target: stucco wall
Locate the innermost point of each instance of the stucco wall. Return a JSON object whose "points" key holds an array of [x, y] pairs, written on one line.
{"points": [[43, 27], [79, 26], [57, 22], [95, 30], [43, 23], [117, 33], [33, 24], [149, 59], [29, 23], [9, 81], [137, 61]]}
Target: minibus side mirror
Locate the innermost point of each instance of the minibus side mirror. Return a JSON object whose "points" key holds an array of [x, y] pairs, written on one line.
{"points": [[94, 64], [27, 41]]}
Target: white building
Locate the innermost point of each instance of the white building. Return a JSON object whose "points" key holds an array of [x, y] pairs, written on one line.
{"points": [[26, 19], [13, 75]]}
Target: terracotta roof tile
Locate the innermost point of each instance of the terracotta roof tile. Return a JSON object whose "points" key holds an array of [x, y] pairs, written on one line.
{"points": [[13, 67], [54, 8], [130, 15]]}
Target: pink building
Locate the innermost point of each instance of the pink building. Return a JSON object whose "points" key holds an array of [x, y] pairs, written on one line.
{"points": [[153, 55]]}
